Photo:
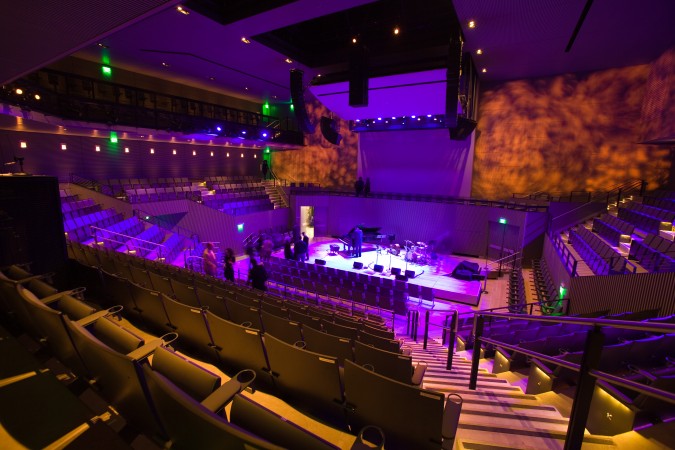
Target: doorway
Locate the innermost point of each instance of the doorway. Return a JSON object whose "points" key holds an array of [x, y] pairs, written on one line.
{"points": [[307, 220]]}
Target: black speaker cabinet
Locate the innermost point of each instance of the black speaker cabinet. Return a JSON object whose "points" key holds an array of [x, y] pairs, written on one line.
{"points": [[328, 131], [401, 278], [298, 101], [410, 273], [358, 265], [319, 262], [378, 268], [396, 271], [31, 224], [452, 80], [463, 129], [358, 76]]}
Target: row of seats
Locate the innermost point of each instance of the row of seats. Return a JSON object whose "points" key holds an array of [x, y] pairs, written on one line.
{"points": [[158, 391], [613, 229], [236, 187], [647, 218], [515, 294], [660, 202], [79, 228], [308, 380], [232, 179], [142, 195], [654, 253], [116, 234], [253, 207], [601, 258]]}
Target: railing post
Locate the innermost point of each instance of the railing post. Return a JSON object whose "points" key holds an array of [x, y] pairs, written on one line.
{"points": [[618, 197], [416, 324], [478, 332], [643, 188], [585, 388], [408, 321], [426, 329], [451, 343], [444, 336]]}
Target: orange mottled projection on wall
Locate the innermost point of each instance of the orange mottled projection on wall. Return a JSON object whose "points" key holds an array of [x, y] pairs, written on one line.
{"points": [[569, 132], [320, 161]]}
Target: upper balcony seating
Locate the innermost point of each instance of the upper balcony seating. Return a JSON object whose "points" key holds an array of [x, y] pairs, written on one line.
{"points": [[79, 228], [613, 229], [599, 256], [113, 235], [667, 203], [116, 187], [654, 253], [647, 218], [155, 194]]}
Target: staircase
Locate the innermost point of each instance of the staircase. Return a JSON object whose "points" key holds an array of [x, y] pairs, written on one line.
{"points": [[273, 191], [497, 415]]}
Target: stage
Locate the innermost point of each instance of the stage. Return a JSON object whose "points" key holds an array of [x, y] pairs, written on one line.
{"points": [[434, 274]]}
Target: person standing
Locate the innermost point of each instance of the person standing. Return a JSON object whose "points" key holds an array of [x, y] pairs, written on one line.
{"points": [[209, 260], [305, 240], [358, 186], [358, 241], [229, 261], [257, 275], [366, 188], [288, 253], [265, 168]]}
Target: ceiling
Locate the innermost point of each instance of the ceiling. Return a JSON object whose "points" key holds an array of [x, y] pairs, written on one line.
{"points": [[518, 39]]}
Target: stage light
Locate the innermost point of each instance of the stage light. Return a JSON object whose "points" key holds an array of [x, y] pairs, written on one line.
{"points": [[211, 153], [243, 132], [23, 144], [379, 118], [484, 70], [267, 149], [412, 117], [358, 120], [353, 40], [245, 41], [242, 155], [266, 105], [227, 154], [255, 156], [182, 10], [289, 60], [264, 135], [479, 52], [194, 153], [396, 31]]}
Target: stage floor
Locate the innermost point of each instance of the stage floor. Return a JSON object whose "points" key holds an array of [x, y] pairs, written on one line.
{"points": [[436, 275]]}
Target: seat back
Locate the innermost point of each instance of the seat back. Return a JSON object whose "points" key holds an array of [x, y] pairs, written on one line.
{"points": [[196, 381], [390, 345], [308, 380], [393, 365], [327, 344], [284, 329], [410, 417], [190, 324]]}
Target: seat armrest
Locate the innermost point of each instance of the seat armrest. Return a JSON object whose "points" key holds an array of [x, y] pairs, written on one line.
{"points": [[72, 292], [91, 318], [225, 393], [504, 352], [543, 367], [617, 394], [451, 412], [146, 350], [418, 373]]}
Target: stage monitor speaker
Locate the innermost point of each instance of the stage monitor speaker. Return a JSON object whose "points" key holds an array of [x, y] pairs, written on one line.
{"points": [[319, 262], [401, 278], [463, 129], [452, 80], [358, 76], [329, 132], [298, 102], [410, 273], [378, 268], [396, 271], [358, 265]]}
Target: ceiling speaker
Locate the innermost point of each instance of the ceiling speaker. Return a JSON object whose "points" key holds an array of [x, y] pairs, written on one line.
{"points": [[329, 132], [298, 101]]}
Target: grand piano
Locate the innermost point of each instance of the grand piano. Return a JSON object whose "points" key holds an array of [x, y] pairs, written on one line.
{"points": [[371, 235]]}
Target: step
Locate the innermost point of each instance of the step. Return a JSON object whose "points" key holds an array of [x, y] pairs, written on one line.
{"points": [[670, 235]]}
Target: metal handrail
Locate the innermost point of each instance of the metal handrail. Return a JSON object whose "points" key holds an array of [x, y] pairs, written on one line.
{"points": [[143, 215], [153, 245]]}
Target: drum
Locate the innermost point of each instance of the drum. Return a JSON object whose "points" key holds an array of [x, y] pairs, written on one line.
{"points": [[395, 249]]}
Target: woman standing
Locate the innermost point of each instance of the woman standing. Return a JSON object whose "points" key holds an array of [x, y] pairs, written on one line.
{"points": [[209, 260], [229, 265]]}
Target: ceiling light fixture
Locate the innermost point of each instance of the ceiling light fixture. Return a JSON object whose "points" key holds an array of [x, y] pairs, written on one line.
{"points": [[37, 96], [472, 24], [479, 52], [397, 31], [182, 10], [165, 64], [98, 148], [484, 70], [212, 78], [289, 60], [19, 91], [244, 40], [102, 45], [354, 41]]}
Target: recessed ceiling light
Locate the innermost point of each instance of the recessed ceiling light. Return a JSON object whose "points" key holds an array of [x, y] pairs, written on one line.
{"points": [[165, 64], [479, 51], [19, 91], [182, 10], [353, 40], [23, 144], [212, 78], [37, 96], [246, 88], [318, 75], [484, 70], [396, 31], [472, 24], [288, 60], [244, 40], [102, 45]]}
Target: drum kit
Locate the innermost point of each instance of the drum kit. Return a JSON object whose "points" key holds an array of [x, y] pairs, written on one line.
{"points": [[413, 252]]}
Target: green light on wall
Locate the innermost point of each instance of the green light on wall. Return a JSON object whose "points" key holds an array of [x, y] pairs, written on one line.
{"points": [[113, 137], [563, 291], [240, 227], [267, 149], [292, 108], [106, 71], [266, 105], [502, 220]]}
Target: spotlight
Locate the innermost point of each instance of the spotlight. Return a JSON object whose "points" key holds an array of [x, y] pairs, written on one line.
{"points": [[19, 91], [245, 41], [37, 96], [23, 144], [472, 24], [479, 52], [396, 31]]}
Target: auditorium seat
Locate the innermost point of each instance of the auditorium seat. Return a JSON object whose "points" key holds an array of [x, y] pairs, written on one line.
{"points": [[318, 341], [392, 365], [411, 418]]}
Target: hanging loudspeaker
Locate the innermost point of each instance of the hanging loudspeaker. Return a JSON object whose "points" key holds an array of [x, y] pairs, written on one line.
{"points": [[328, 131], [298, 100], [463, 129]]}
